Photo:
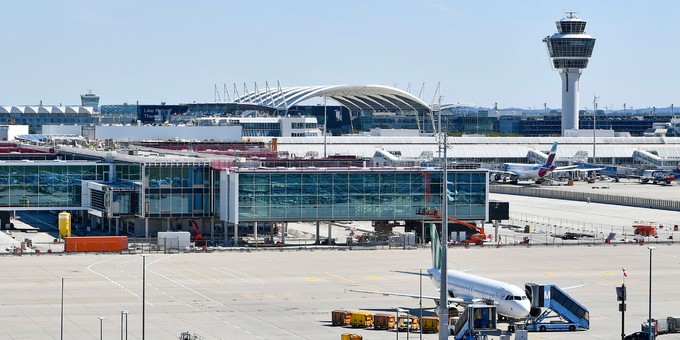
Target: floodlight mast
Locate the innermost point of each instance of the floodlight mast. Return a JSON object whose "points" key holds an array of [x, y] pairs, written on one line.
{"points": [[443, 272]]}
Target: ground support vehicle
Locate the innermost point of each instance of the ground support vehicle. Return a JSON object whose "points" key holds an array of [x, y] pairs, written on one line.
{"points": [[383, 321], [341, 317], [362, 319], [408, 323], [430, 324], [478, 237], [645, 228], [554, 310]]}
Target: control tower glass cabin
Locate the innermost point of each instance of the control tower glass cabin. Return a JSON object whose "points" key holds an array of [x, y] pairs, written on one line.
{"points": [[569, 50]]}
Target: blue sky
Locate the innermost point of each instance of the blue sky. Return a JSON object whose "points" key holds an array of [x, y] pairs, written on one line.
{"points": [[482, 52]]}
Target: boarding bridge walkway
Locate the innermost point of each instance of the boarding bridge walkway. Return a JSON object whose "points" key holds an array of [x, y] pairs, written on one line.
{"points": [[561, 311]]}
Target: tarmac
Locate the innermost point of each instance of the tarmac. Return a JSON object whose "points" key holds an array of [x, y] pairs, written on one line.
{"points": [[289, 293]]}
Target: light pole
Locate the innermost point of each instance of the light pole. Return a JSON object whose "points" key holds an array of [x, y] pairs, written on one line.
{"points": [[420, 304], [143, 293], [62, 309], [123, 312], [101, 328], [443, 272], [649, 322], [325, 128]]}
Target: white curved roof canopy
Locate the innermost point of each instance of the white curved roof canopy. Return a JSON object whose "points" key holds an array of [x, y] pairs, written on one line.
{"points": [[364, 97]]}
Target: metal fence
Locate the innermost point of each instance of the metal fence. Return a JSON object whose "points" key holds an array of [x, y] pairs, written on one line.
{"points": [[642, 202]]}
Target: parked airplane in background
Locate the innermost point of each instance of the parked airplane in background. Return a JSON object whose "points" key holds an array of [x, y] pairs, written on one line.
{"points": [[511, 301], [657, 176], [536, 172]]}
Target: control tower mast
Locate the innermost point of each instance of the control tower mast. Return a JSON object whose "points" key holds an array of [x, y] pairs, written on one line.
{"points": [[569, 50]]}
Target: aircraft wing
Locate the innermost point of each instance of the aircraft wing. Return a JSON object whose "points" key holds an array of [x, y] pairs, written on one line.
{"points": [[501, 172], [574, 168], [415, 296]]}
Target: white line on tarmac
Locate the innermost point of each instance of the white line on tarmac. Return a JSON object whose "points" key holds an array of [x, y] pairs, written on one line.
{"points": [[90, 268], [186, 277], [232, 274]]}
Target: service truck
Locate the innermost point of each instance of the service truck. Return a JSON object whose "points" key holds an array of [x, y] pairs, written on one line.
{"points": [[341, 317], [383, 321], [362, 319], [408, 323], [430, 324]]}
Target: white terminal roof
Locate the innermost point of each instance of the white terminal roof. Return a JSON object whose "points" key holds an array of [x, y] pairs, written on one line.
{"points": [[47, 109], [482, 147], [363, 97]]}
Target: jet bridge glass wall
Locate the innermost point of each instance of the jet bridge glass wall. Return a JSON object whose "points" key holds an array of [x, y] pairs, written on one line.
{"points": [[366, 194], [177, 190], [45, 185]]}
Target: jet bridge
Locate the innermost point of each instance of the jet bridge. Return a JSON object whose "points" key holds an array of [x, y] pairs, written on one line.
{"points": [[476, 321], [560, 312]]}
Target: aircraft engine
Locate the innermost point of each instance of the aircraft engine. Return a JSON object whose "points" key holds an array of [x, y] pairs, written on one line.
{"points": [[535, 312], [497, 177]]}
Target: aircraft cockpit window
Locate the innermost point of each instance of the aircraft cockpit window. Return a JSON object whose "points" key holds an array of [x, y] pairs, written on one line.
{"points": [[517, 298], [508, 297]]}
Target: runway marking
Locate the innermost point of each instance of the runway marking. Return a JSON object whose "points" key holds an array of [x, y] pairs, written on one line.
{"points": [[202, 274], [186, 277], [340, 277], [549, 274], [374, 278], [232, 273], [168, 312], [607, 273], [312, 279], [89, 268]]}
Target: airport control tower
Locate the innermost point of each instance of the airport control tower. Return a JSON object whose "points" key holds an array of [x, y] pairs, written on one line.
{"points": [[569, 50], [90, 100]]}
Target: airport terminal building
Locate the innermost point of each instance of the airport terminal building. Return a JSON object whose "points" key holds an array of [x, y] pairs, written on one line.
{"points": [[141, 193]]}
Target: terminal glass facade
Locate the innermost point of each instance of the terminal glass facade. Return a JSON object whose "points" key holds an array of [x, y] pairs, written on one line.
{"points": [[179, 190], [38, 185], [378, 194]]}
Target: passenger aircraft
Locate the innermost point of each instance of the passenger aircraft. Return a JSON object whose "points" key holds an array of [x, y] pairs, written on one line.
{"points": [[537, 172], [511, 301], [657, 176]]}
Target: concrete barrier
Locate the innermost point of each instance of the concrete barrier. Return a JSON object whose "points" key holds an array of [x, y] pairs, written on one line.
{"points": [[641, 202]]}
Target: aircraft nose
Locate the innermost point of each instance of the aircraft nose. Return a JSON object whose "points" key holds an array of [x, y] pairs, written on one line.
{"points": [[524, 308]]}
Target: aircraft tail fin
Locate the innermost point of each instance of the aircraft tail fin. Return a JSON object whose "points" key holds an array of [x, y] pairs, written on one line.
{"points": [[436, 247], [551, 156]]}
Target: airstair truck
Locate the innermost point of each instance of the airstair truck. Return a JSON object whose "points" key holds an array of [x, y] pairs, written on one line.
{"points": [[552, 309], [478, 320]]}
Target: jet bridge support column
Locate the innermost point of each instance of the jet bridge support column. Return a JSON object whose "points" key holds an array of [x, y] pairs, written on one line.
{"points": [[225, 233], [235, 234], [329, 233], [212, 230], [255, 231], [284, 231], [496, 223], [318, 239]]}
